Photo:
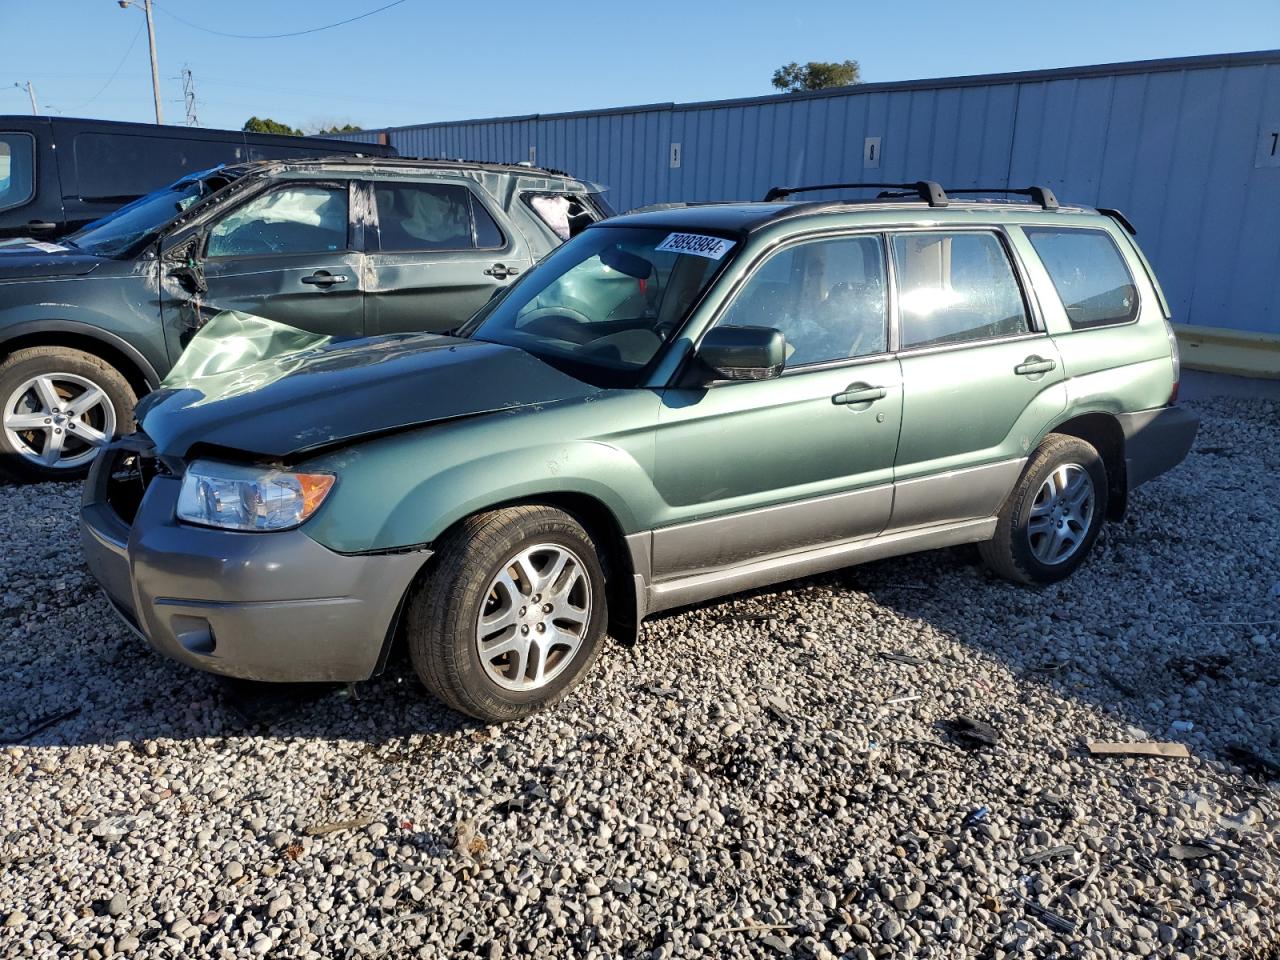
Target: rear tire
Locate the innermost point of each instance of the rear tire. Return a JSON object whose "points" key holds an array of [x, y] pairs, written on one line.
{"points": [[1048, 525], [511, 613], [44, 433]]}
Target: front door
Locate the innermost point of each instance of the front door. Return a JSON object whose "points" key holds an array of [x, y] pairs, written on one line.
{"points": [[758, 468], [980, 381], [436, 254], [285, 254]]}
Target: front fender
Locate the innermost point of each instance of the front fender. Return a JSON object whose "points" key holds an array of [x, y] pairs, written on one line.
{"points": [[407, 489], [122, 312]]}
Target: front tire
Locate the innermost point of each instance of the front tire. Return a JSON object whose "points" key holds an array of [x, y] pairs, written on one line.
{"points": [[511, 613], [1053, 516], [60, 407]]}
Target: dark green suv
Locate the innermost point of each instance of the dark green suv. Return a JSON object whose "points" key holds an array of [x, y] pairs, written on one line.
{"points": [[673, 406], [343, 247]]}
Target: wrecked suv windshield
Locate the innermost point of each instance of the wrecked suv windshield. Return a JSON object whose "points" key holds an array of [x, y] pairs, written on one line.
{"points": [[608, 299], [116, 233]]}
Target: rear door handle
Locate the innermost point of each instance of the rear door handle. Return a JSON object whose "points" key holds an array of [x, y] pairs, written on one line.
{"points": [[41, 226], [323, 278], [858, 393], [500, 271], [1033, 365]]}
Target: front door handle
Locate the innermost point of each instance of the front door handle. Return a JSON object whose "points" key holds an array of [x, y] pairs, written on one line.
{"points": [[323, 278], [500, 271], [860, 393], [1034, 365], [41, 226]]}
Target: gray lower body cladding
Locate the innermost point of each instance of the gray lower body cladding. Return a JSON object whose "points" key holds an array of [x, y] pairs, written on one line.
{"points": [[272, 606], [1156, 441]]}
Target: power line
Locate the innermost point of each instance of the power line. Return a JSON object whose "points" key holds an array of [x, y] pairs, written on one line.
{"points": [[116, 72], [277, 36]]}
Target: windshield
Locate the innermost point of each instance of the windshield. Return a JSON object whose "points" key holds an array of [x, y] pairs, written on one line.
{"points": [[607, 300], [117, 232]]}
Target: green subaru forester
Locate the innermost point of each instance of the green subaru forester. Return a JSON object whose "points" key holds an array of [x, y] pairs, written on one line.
{"points": [[675, 405]]}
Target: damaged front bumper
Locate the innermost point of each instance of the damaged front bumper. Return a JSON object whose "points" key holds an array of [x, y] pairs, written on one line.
{"points": [[260, 606]]}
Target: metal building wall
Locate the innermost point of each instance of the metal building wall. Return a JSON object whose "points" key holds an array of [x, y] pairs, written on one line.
{"points": [[1181, 146]]}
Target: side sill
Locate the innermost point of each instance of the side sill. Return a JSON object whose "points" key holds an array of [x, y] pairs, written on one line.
{"points": [[718, 583]]}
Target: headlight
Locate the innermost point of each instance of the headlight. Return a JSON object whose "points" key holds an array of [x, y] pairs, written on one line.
{"points": [[249, 498]]}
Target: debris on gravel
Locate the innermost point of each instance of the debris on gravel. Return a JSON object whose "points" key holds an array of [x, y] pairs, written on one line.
{"points": [[738, 783]]}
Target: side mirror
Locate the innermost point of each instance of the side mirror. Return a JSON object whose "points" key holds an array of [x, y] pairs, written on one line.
{"points": [[743, 353]]}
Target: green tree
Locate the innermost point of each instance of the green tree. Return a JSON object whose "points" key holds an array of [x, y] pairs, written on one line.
{"points": [[816, 75], [345, 128], [265, 125]]}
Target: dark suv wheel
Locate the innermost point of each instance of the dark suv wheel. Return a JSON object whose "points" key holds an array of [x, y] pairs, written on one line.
{"points": [[60, 407], [511, 613], [1051, 519]]}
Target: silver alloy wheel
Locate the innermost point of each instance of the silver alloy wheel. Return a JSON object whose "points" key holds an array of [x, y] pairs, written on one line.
{"points": [[59, 420], [534, 617], [1061, 514]]}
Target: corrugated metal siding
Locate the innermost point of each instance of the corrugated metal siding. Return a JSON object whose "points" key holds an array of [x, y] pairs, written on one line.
{"points": [[1171, 143]]}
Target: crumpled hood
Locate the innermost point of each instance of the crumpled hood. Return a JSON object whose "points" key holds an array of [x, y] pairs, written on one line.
{"points": [[336, 392], [23, 258]]}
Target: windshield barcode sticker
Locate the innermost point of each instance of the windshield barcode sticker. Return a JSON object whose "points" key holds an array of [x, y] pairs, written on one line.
{"points": [[713, 248]]}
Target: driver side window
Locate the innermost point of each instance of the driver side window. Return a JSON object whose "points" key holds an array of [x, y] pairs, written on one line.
{"points": [[827, 297], [294, 219]]}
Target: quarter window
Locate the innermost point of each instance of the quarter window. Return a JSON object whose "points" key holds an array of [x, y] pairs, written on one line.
{"points": [[17, 169], [297, 219], [956, 287], [826, 296], [433, 216], [1089, 274]]}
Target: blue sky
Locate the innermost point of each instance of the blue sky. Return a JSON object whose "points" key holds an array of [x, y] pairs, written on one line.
{"points": [[426, 60]]}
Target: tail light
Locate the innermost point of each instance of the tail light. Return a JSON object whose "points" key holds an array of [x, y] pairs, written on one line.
{"points": [[1177, 361]]}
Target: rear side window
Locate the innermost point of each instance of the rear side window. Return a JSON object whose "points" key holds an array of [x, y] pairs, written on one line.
{"points": [[296, 219], [956, 287], [17, 169], [433, 216], [566, 214], [112, 166], [1089, 274]]}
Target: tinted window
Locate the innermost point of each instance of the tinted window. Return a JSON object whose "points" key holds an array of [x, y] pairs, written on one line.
{"points": [[955, 287], [297, 219], [488, 236], [1089, 274], [112, 166], [17, 169], [433, 216], [826, 296]]}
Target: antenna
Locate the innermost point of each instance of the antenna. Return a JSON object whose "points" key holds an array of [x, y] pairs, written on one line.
{"points": [[189, 96]]}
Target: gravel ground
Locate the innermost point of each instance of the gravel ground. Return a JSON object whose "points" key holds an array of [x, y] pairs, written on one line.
{"points": [[759, 777]]}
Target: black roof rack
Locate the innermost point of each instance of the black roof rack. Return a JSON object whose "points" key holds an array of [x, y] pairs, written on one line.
{"points": [[1041, 195], [927, 190]]}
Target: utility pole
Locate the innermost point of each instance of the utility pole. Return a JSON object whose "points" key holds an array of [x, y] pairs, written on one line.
{"points": [[189, 96], [151, 39], [31, 93]]}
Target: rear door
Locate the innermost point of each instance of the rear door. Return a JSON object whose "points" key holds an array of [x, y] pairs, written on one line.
{"points": [[287, 254], [438, 249], [981, 377]]}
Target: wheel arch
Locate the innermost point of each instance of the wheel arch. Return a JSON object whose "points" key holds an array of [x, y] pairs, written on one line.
{"points": [[601, 524], [115, 350], [1103, 432]]}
